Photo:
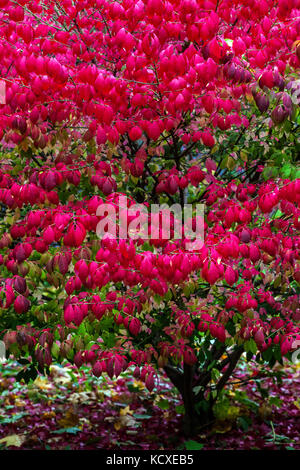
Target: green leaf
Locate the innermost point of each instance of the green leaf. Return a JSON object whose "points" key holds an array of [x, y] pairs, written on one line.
{"points": [[269, 172], [12, 418], [193, 445], [138, 416], [163, 404], [215, 374], [244, 422], [229, 42], [72, 430], [180, 409], [55, 349], [277, 214], [275, 401], [252, 346], [285, 171], [168, 296], [82, 329]]}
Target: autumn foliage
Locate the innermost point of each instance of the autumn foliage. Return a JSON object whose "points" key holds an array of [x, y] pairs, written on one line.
{"points": [[162, 101]]}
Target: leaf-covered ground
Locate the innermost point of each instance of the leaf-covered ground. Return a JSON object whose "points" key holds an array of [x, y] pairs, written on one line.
{"points": [[77, 411]]}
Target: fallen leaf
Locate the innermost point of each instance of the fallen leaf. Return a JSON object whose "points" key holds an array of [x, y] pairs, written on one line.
{"points": [[69, 430], [265, 411], [126, 421], [42, 383], [60, 375], [122, 421], [20, 403], [139, 384], [70, 419], [49, 414], [82, 397], [126, 411], [222, 427], [13, 440]]}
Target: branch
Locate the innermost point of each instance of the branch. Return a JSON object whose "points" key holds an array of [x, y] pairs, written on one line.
{"points": [[175, 376], [36, 161], [233, 360]]}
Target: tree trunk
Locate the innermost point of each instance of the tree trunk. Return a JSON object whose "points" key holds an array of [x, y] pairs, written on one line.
{"points": [[195, 418], [192, 420], [190, 416]]}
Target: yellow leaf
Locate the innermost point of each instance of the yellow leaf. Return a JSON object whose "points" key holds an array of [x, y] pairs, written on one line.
{"points": [[70, 419], [244, 156], [13, 440], [42, 383], [20, 403], [114, 396], [126, 411], [117, 425], [49, 414], [230, 163], [214, 149], [139, 384], [222, 428], [124, 422]]}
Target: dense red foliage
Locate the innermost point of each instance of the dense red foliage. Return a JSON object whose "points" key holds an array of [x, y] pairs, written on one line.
{"points": [[95, 92]]}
